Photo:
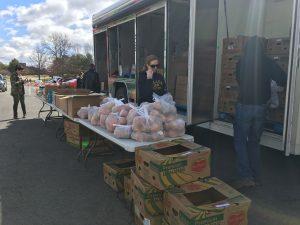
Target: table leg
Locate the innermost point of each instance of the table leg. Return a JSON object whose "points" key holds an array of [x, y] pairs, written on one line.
{"points": [[40, 111]]}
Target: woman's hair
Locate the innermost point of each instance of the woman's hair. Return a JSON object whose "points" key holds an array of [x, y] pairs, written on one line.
{"points": [[149, 59]]}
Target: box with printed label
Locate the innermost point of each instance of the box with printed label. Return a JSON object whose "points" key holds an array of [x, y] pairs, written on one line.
{"points": [[172, 163], [206, 202], [141, 219], [115, 171], [147, 198]]}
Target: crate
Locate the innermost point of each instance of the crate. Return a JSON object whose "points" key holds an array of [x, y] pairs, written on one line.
{"points": [[234, 44], [281, 60], [230, 60], [278, 46], [227, 106], [229, 93]]}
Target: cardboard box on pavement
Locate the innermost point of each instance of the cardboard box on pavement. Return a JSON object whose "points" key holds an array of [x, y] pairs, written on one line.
{"points": [[128, 188], [172, 163], [147, 198], [114, 173], [141, 219], [209, 202]]}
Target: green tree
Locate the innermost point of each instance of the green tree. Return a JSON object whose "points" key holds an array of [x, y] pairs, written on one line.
{"points": [[3, 66], [12, 65]]}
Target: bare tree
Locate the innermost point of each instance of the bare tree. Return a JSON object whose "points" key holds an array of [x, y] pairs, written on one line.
{"points": [[57, 45], [39, 59]]}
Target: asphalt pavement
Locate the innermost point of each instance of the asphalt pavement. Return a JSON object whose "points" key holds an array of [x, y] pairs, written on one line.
{"points": [[42, 183]]}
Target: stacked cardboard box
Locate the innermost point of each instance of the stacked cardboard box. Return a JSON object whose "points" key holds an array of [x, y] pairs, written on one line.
{"points": [[115, 171], [278, 50], [232, 50], [161, 167], [128, 188], [209, 201], [70, 104], [74, 133]]}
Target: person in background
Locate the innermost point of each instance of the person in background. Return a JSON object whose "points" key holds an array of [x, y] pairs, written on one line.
{"points": [[18, 91], [254, 74], [79, 80], [150, 81], [91, 80]]}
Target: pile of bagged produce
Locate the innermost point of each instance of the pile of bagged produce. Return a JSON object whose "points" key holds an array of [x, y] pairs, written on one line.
{"points": [[146, 123]]}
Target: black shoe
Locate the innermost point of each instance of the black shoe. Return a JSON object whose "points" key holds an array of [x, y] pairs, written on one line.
{"points": [[24, 115], [16, 117]]}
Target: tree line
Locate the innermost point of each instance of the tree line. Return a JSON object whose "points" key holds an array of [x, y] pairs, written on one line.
{"points": [[55, 56]]}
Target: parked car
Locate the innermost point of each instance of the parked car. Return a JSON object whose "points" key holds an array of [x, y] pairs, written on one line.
{"points": [[3, 84]]}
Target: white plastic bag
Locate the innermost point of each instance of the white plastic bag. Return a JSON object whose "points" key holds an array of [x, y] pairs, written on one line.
{"points": [[123, 131], [274, 100], [175, 128], [83, 112]]}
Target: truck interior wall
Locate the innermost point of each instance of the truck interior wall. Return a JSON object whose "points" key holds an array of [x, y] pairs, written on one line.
{"points": [[127, 47], [265, 18], [178, 46], [113, 50], [101, 57], [204, 60], [150, 37]]}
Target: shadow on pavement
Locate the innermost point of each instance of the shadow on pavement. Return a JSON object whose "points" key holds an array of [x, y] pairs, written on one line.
{"points": [[42, 183], [277, 202]]}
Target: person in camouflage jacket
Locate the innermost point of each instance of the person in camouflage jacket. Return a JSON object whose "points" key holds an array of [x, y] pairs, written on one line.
{"points": [[18, 91]]}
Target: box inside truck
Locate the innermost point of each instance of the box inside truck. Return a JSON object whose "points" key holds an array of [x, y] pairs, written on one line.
{"points": [[239, 20]]}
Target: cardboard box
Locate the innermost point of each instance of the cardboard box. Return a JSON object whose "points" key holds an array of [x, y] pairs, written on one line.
{"points": [[165, 222], [172, 163], [72, 91], [228, 78], [75, 141], [234, 44], [75, 102], [141, 219], [229, 93], [278, 46], [207, 202], [230, 60], [147, 198], [227, 106], [128, 188], [114, 173], [282, 61]]}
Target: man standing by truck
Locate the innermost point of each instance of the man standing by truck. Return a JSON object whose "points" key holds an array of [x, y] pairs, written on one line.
{"points": [[91, 80], [254, 74], [18, 91]]}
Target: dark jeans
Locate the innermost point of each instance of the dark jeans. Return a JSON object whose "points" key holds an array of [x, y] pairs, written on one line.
{"points": [[17, 99], [248, 128]]}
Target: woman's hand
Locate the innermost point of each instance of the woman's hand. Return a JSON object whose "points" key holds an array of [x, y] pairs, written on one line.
{"points": [[149, 74]]}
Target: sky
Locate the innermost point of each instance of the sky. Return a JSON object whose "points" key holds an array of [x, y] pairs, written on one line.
{"points": [[25, 23]]}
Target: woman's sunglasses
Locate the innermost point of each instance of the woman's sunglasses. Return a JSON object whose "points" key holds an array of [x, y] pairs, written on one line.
{"points": [[154, 66]]}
